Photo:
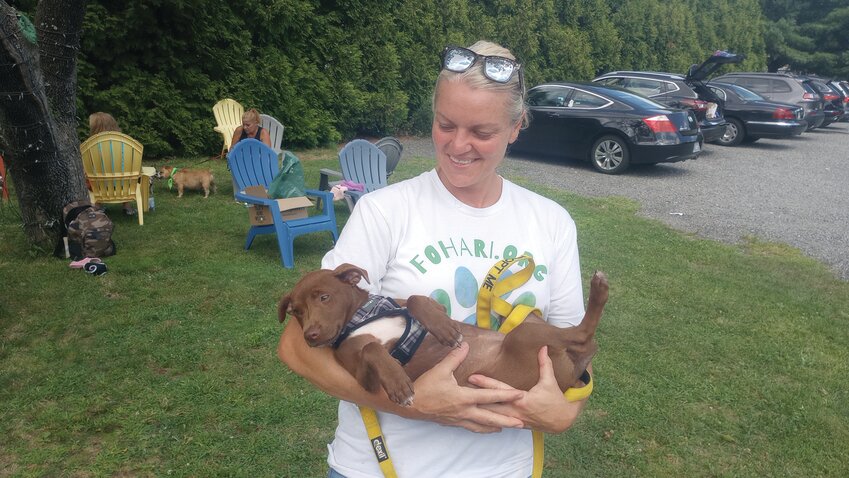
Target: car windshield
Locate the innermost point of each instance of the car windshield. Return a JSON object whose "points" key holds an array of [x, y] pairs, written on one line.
{"points": [[747, 95], [633, 99]]}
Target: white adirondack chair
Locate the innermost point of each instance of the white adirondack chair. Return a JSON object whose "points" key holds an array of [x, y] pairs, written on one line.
{"points": [[275, 131]]}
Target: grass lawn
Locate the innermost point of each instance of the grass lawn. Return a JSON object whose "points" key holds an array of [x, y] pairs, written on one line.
{"points": [[715, 360]]}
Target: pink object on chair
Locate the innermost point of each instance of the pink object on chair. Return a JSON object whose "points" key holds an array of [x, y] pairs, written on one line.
{"points": [[351, 185]]}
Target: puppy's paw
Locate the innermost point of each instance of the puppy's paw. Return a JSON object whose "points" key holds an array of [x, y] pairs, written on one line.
{"points": [[400, 392], [431, 314], [447, 333]]}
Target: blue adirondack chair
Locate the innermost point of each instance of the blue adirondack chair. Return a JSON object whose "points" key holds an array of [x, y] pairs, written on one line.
{"points": [[362, 162], [255, 164]]}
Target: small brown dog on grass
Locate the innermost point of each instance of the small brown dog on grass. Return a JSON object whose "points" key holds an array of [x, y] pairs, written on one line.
{"points": [[185, 178], [324, 302]]}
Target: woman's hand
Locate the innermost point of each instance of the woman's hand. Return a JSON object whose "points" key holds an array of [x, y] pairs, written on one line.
{"points": [[543, 407], [441, 399]]}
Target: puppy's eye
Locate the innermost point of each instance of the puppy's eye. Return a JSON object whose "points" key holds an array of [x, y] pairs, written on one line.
{"points": [[324, 297]]}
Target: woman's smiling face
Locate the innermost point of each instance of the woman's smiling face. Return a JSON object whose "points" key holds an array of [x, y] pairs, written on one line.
{"points": [[471, 131]]}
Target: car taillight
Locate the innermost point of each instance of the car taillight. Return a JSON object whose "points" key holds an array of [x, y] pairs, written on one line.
{"points": [[660, 124], [809, 96], [830, 97], [783, 113], [846, 99]]}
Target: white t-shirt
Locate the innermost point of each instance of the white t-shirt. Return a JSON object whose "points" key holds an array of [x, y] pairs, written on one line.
{"points": [[415, 237]]}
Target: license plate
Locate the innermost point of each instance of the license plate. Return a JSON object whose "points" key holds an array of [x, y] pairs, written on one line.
{"points": [[696, 147]]}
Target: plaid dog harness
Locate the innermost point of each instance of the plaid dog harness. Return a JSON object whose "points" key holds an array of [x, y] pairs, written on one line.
{"points": [[377, 307]]}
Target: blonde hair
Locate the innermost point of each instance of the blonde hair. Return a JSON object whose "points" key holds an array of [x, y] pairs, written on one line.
{"points": [[474, 77], [251, 114], [100, 122]]}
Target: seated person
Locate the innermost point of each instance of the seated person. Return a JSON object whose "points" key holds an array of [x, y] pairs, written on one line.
{"points": [[101, 122], [251, 129]]}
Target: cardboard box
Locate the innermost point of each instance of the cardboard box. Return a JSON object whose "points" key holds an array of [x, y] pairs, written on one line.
{"points": [[290, 208]]}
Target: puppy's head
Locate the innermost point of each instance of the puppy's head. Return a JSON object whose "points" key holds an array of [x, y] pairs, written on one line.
{"points": [[164, 172], [323, 301]]}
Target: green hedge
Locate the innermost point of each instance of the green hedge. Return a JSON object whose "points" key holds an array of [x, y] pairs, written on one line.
{"points": [[333, 70]]}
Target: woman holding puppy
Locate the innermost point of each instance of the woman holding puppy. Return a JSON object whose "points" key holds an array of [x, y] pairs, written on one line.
{"points": [[438, 235]]}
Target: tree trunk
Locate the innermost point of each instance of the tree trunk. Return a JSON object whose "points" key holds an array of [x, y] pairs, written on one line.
{"points": [[38, 135]]}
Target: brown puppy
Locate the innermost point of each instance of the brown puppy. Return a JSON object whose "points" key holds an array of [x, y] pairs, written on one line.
{"points": [[186, 178], [324, 301]]}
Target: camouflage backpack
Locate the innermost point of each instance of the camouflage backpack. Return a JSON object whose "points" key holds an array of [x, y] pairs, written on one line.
{"points": [[89, 230]]}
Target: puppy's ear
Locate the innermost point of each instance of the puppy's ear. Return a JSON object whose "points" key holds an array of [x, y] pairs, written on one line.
{"points": [[284, 307], [350, 274]]}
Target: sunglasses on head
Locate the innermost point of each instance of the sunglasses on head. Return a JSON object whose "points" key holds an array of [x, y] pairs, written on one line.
{"points": [[496, 68]]}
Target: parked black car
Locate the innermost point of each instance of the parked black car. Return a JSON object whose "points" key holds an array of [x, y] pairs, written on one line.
{"points": [[832, 100], [608, 126], [843, 88], [681, 91], [782, 87], [751, 117]]}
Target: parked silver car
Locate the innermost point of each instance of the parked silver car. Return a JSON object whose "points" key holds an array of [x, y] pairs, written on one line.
{"points": [[781, 87]]}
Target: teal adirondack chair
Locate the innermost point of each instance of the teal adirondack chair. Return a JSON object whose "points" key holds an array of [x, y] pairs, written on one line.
{"points": [[255, 164], [392, 148], [364, 163]]}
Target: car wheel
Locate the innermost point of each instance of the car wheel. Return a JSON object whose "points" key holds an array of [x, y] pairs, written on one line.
{"points": [[735, 133], [610, 155]]}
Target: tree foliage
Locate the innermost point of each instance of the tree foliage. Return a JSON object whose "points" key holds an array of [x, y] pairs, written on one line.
{"points": [[808, 36], [330, 70]]}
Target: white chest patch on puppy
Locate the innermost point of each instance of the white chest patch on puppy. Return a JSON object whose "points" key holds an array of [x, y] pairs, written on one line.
{"points": [[384, 329]]}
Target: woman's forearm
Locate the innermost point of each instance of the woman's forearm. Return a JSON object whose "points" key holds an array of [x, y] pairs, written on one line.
{"points": [[439, 398], [319, 367]]}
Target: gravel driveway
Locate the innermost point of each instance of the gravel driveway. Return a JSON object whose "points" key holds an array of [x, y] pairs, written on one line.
{"points": [[794, 191]]}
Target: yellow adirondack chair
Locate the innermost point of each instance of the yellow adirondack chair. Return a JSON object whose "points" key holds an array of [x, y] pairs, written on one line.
{"points": [[113, 165], [228, 116]]}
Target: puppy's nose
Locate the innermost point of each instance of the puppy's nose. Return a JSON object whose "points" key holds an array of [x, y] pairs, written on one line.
{"points": [[312, 333]]}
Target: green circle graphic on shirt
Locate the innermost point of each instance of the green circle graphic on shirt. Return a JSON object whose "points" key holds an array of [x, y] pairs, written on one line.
{"points": [[527, 298], [443, 298]]}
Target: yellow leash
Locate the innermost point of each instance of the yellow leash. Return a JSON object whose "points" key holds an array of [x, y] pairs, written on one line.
{"points": [[378, 443], [489, 299]]}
